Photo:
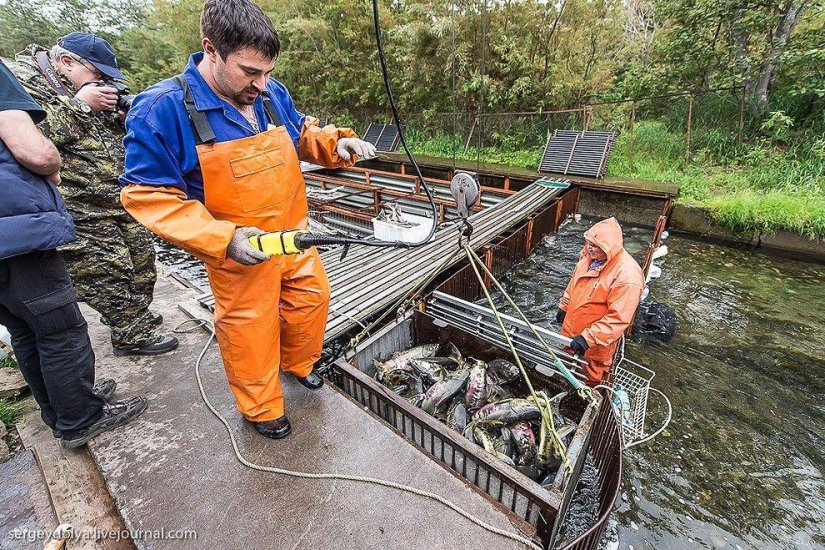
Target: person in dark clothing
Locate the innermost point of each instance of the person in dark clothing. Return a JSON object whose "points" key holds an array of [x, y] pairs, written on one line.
{"points": [[112, 262], [37, 302]]}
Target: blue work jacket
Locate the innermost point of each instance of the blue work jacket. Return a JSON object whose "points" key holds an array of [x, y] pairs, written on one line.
{"points": [[160, 142]]}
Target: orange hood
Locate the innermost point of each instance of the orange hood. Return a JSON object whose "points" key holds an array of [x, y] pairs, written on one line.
{"points": [[607, 235]]}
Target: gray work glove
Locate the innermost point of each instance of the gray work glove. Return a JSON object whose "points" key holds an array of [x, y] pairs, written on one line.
{"points": [[241, 251], [349, 146]]}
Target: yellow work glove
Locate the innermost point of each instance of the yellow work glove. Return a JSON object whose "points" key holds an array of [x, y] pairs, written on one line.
{"points": [[277, 243]]}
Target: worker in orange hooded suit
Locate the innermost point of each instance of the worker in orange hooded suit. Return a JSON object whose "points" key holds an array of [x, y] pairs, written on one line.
{"points": [[601, 298], [212, 159]]}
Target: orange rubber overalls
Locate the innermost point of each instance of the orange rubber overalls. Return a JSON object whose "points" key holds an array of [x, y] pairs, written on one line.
{"points": [[269, 316], [600, 303]]}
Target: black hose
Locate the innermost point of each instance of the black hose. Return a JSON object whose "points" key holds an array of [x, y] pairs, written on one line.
{"points": [[306, 241]]}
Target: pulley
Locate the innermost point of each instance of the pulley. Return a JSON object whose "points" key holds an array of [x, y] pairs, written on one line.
{"points": [[465, 190]]}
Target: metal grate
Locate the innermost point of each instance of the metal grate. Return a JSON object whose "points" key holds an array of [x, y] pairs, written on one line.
{"points": [[577, 153], [635, 380], [384, 136], [481, 322]]}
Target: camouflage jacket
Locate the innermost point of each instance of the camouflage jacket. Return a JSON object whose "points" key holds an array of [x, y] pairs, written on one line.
{"points": [[90, 144]]}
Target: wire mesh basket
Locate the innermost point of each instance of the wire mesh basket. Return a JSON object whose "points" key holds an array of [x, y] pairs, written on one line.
{"points": [[632, 380]]}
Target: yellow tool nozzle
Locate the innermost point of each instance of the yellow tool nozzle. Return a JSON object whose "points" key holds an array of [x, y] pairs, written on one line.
{"points": [[278, 243]]}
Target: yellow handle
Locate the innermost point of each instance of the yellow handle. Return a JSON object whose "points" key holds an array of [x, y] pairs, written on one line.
{"points": [[277, 243]]}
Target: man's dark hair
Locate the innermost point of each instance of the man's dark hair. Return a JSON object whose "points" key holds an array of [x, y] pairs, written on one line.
{"points": [[235, 24]]}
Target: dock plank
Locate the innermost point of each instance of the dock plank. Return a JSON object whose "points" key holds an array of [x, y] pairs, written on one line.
{"points": [[26, 514]]}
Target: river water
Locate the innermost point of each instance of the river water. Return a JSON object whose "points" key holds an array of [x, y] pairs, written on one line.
{"points": [[741, 464]]}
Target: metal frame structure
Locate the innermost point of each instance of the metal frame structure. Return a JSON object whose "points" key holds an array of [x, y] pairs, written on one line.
{"points": [[577, 153], [385, 137]]}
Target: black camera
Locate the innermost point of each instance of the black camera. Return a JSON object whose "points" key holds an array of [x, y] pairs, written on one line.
{"points": [[124, 94]]}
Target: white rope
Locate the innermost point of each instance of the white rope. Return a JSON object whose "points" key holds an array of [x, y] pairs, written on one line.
{"points": [[346, 477], [344, 315]]}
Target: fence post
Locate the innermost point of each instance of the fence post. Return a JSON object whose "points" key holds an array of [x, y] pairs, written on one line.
{"points": [[690, 119], [632, 121], [470, 135]]}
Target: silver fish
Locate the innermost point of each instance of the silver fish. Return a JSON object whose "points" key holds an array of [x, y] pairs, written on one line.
{"points": [[429, 371], [424, 350], [508, 411], [503, 441], [437, 397], [400, 360], [483, 438], [548, 480], [525, 440], [476, 395], [450, 350], [457, 416]]}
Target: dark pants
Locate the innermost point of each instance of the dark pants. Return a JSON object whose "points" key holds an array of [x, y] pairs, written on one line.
{"points": [[50, 339]]}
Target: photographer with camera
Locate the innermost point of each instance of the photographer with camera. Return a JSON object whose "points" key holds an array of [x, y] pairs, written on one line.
{"points": [[112, 262]]}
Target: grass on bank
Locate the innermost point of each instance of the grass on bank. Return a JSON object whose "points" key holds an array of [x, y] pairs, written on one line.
{"points": [[10, 412], [762, 186]]}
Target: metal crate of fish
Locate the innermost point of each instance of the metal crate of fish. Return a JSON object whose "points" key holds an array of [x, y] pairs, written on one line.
{"points": [[491, 443]]}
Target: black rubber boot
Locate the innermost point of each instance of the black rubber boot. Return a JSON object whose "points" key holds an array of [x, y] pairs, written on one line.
{"points": [[312, 381], [273, 429], [114, 415]]}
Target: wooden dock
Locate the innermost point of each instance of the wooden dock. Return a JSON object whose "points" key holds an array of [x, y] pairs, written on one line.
{"points": [[371, 279]]}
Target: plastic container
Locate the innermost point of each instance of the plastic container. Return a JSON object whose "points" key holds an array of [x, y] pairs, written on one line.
{"points": [[388, 231], [654, 273], [660, 252]]}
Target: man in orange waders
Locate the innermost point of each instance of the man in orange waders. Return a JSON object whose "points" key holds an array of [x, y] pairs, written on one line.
{"points": [[601, 298], [211, 160]]}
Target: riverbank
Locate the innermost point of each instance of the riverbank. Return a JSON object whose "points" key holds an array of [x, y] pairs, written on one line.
{"points": [[693, 220], [765, 187]]}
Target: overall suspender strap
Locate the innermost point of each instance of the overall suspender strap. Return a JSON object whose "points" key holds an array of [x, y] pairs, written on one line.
{"points": [[273, 117], [45, 65], [200, 125]]}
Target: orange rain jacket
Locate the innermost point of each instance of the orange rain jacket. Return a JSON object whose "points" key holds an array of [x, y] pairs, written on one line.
{"points": [[601, 303]]}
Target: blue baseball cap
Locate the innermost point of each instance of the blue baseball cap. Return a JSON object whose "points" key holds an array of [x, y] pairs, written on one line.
{"points": [[93, 49]]}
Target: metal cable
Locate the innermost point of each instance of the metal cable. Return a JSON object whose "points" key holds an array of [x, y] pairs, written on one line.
{"points": [[345, 477], [481, 84]]}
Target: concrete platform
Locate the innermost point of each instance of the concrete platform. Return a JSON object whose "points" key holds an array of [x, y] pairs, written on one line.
{"points": [[173, 469], [26, 515]]}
